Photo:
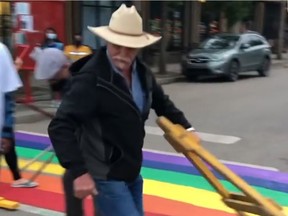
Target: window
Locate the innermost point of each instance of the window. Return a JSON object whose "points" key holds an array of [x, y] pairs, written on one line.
{"points": [[105, 3], [175, 20], [220, 42], [88, 19], [97, 13], [255, 40], [90, 3]]}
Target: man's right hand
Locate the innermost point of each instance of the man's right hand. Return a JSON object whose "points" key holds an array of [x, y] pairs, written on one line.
{"points": [[84, 186]]}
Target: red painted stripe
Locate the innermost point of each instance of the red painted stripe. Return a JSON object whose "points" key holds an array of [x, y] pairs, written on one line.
{"points": [[154, 206]]}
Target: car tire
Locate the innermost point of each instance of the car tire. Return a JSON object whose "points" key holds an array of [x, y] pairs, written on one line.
{"points": [[264, 71], [233, 71]]}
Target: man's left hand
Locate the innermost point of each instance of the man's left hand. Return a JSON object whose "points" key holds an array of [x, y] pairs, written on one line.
{"points": [[5, 145]]}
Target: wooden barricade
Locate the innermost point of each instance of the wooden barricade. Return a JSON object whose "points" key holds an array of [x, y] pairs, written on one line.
{"points": [[250, 201]]}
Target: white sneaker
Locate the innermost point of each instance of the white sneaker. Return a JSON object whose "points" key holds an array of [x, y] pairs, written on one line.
{"points": [[23, 183]]}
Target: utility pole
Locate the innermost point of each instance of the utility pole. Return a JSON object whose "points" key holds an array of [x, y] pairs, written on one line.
{"points": [[280, 44]]}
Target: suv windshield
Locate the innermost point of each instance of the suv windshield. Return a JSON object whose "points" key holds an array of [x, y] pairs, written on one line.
{"points": [[220, 42]]}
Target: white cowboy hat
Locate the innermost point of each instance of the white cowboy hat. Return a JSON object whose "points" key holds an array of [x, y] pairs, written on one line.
{"points": [[125, 29]]}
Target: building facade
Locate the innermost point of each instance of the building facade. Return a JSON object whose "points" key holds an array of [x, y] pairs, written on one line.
{"points": [[31, 18]]}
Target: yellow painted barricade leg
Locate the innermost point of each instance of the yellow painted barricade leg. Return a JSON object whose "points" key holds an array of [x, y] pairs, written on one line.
{"points": [[189, 144], [8, 204]]}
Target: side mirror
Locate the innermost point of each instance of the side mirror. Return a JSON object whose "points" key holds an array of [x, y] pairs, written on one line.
{"points": [[245, 46]]}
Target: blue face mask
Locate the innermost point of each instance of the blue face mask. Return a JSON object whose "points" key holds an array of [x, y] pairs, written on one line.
{"points": [[51, 35]]}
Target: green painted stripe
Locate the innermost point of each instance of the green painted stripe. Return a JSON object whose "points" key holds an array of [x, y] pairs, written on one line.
{"points": [[27, 153], [174, 178], [201, 183]]}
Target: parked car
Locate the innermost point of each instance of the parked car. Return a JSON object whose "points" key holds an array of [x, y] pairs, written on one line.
{"points": [[228, 55]]}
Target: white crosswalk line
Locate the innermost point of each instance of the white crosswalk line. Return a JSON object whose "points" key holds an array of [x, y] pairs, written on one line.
{"points": [[208, 137], [39, 211]]}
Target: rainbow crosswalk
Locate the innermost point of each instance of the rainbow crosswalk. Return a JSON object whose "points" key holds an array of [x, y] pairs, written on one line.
{"points": [[172, 186]]}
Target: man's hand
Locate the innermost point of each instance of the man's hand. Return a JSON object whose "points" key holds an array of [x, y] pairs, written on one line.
{"points": [[84, 186], [196, 136], [5, 145], [18, 63]]}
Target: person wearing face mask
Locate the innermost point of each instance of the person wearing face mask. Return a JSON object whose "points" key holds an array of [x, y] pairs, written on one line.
{"points": [[77, 50], [51, 40]]}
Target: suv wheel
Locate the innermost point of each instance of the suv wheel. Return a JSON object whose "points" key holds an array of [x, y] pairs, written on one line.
{"points": [[265, 68], [233, 71]]}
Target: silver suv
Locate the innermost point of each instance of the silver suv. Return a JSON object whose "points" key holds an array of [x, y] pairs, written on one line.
{"points": [[228, 55]]}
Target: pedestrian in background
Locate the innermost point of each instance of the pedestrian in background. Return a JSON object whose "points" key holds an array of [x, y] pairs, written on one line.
{"points": [[50, 41], [77, 50], [10, 82], [52, 65]]}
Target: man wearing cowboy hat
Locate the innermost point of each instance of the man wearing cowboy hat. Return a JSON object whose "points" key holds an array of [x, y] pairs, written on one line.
{"points": [[98, 131]]}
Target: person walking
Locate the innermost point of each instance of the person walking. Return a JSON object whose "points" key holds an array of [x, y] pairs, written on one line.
{"points": [[98, 131], [10, 82]]}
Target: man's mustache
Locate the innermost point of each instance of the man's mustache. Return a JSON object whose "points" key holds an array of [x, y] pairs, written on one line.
{"points": [[121, 59]]}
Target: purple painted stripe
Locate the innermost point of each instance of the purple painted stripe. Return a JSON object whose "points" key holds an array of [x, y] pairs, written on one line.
{"points": [[173, 159], [240, 170], [32, 138]]}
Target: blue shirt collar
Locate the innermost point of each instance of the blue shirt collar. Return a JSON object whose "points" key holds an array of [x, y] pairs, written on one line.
{"points": [[136, 90]]}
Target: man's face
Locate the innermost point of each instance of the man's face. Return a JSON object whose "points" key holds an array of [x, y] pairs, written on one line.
{"points": [[122, 57]]}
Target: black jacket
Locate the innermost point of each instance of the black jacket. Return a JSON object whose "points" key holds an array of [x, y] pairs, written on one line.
{"points": [[98, 127]]}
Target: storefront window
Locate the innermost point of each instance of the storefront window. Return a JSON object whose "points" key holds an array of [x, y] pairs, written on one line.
{"points": [[104, 18], [105, 3], [89, 19], [91, 3], [96, 14], [174, 24]]}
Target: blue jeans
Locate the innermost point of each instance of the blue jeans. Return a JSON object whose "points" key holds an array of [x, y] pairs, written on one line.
{"points": [[119, 198]]}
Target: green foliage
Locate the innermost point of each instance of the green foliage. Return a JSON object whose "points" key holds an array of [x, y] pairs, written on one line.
{"points": [[234, 10]]}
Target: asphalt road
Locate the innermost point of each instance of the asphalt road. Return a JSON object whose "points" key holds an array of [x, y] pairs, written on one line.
{"points": [[254, 109], [244, 122]]}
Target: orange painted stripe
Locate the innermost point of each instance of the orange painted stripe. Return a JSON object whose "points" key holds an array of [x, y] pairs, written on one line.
{"points": [[46, 182], [154, 206], [160, 205], [51, 188]]}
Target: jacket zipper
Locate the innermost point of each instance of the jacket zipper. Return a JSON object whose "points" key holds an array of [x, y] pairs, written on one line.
{"points": [[137, 112]]}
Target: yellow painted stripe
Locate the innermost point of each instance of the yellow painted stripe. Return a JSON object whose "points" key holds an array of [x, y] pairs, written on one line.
{"points": [[190, 195], [54, 169]]}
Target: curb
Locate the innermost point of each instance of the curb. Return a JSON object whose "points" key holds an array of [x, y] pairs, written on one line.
{"points": [[280, 63], [168, 80]]}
